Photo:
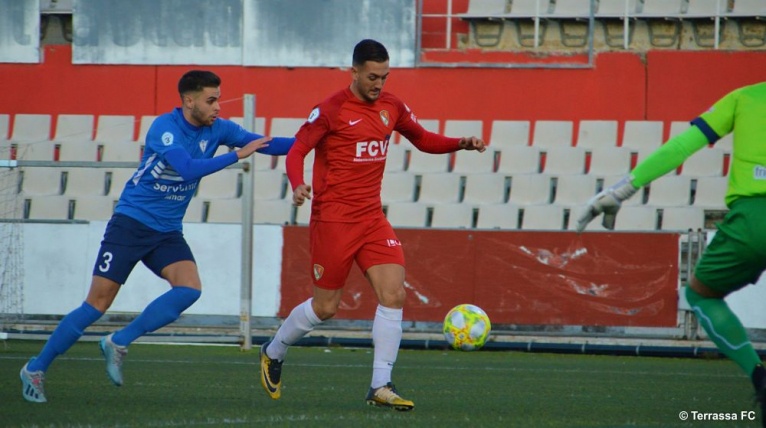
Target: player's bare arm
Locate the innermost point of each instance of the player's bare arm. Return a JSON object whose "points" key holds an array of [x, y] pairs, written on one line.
{"points": [[301, 193], [472, 143], [252, 146]]}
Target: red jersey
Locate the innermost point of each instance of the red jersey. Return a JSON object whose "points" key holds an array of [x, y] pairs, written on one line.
{"points": [[350, 138]]}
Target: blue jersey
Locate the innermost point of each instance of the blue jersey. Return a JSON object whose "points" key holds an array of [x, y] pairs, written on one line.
{"points": [[176, 156]]}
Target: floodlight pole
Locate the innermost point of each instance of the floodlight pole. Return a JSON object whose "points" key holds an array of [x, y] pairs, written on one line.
{"points": [[246, 290]]}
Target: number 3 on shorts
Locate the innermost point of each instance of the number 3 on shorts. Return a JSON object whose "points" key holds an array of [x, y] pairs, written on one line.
{"points": [[104, 267]]}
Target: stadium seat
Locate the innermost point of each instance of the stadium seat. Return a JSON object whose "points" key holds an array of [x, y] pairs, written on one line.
{"points": [[285, 126], [473, 162], [706, 162], [225, 210], [705, 8], [397, 187], [552, 133], [82, 150], [126, 151], [528, 8], [683, 218], [303, 213], [747, 9], [271, 212], [506, 133], [572, 14], [575, 9], [668, 11], [31, 128], [638, 218], [499, 216], [13, 205], [452, 216], [483, 189], [616, 9], [519, 160], [440, 188], [7, 150], [74, 127], [5, 120], [115, 129], [642, 134], [542, 217], [260, 125], [117, 178], [463, 128], [423, 163], [564, 160], [614, 15], [196, 211], [49, 208], [407, 214], [530, 189], [485, 12], [677, 127], [610, 161], [710, 192], [41, 181], [85, 182], [36, 151], [484, 9], [269, 185], [670, 191], [93, 208], [146, 123], [396, 157], [574, 190], [224, 184], [596, 134]]}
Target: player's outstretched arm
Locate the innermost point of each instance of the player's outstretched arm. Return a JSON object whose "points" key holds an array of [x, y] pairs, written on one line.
{"points": [[472, 143], [608, 202], [253, 146]]}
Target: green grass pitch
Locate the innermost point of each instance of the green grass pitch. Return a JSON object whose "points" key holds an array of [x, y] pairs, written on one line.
{"points": [[179, 385]]}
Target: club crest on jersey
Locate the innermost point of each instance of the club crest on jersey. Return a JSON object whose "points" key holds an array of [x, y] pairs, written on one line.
{"points": [[318, 271], [167, 139], [203, 145], [384, 117], [313, 115], [393, 243]]}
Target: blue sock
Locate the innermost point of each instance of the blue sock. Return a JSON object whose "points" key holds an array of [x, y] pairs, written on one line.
{"points": [[65, 335], [161, 312]]}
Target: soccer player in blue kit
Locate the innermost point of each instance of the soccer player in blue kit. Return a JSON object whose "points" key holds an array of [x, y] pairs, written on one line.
{"points": [[146, 225]]}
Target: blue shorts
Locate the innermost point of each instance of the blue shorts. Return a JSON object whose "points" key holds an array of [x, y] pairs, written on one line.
{"points": [[128, 241]]}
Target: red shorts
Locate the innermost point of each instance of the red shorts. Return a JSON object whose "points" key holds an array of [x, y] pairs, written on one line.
{"points": [[335, 246]]}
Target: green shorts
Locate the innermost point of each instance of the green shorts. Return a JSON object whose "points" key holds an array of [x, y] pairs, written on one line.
{"points": [[736, 256]]}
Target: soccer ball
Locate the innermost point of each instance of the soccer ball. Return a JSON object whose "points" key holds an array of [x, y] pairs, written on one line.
{"points": [[466, 327]]}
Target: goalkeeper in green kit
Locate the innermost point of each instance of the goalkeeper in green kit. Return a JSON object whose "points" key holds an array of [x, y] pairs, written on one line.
{"points": [[736, 256]]}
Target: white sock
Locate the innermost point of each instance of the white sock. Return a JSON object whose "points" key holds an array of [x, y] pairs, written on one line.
{"points": [[386, 337], [300, 322]]}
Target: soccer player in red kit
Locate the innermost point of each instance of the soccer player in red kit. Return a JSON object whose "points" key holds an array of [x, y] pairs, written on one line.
{"points": [[350, 133]]}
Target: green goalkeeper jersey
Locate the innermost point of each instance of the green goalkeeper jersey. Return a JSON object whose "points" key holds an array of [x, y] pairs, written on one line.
{"points": [[742, 111]]}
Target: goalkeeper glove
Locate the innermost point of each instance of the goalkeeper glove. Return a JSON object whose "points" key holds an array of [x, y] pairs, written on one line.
{"points": [[608, 201]]}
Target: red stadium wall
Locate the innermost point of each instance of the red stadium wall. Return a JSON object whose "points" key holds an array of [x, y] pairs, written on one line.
{"points": [[521, 278], [661, 85]]}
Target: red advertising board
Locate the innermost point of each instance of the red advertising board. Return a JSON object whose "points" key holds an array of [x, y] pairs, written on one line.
{"points": [[518, 277]]}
